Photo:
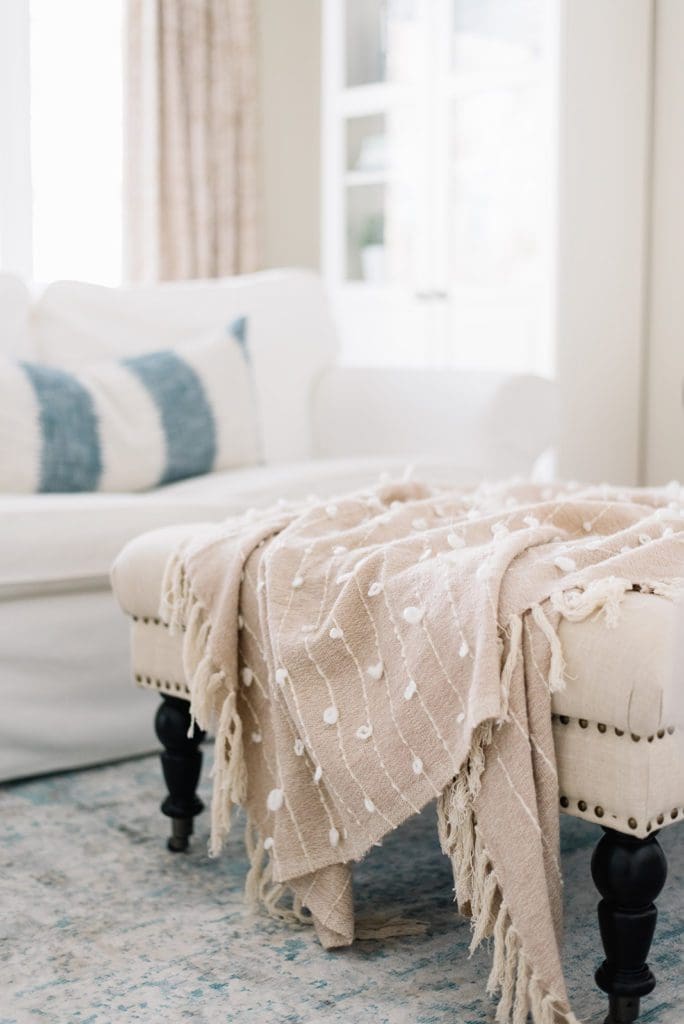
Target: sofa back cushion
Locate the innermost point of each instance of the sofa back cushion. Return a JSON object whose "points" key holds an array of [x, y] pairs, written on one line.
{"points": [[14, 316], [129, 424], [291, 336]]}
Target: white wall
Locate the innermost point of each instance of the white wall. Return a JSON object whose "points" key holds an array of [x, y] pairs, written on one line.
{"points": [[604, 167], [290, 78], [664, 434], [15, 133]]}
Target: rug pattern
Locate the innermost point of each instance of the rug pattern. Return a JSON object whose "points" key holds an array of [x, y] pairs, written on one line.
{"points": [[99, 925]]}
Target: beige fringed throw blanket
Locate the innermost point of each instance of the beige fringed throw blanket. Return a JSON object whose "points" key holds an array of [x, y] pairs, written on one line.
{"points": [[359, 658]]}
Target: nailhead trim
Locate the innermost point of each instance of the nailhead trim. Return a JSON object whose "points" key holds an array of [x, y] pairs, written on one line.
{"points": [[146, 620], [161, 684], [599, 812], [602, 728]]}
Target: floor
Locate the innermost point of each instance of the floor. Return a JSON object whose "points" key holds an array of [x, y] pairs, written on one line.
{"points": [[100, 925]]}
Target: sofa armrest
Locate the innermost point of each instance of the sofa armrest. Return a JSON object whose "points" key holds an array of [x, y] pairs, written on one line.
{"points": [[490, 424]]}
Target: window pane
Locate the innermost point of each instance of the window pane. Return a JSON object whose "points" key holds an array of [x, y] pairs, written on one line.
{"points": [[76, 139], [498, 181]]}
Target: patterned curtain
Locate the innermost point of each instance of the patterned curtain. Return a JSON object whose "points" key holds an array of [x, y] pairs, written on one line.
{"points": [[190, 176]]}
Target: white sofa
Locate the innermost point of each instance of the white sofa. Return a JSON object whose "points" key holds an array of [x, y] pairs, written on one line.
{"points": [[64, 661]]}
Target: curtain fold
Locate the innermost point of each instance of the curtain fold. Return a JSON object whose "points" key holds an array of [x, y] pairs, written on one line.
{"points": [[190, 164]]}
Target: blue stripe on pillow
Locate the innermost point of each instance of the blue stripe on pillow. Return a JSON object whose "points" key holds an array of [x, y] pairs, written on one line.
{"points": [[187, 419], [71, 459]]}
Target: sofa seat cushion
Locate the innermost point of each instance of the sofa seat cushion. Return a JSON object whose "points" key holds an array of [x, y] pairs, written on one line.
{"points": [[64, 541], [617, 725]]}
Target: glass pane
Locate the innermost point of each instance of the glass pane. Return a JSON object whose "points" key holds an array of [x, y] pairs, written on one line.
{"points": [[497, 180], [383, 198], [76, 139], [382, 41]]}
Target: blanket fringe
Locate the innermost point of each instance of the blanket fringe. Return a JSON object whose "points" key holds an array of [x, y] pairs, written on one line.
{"points": [[673, 589], [515, 629], [479, 896], [605, 595], [556, 680], [260, 888], [213, 698]]}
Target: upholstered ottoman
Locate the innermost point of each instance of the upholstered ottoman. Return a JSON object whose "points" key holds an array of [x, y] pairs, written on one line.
{"points": [[618, 739]]}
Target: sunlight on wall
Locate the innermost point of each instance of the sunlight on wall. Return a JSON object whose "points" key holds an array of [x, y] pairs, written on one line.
{"points": [[76, 139]]}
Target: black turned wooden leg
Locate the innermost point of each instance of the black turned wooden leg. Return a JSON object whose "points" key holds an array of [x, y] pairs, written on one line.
{"points": [[181, 761], [629, 873]]}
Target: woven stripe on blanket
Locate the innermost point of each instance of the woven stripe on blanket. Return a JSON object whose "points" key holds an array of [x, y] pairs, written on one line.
{"points": [[359, 658]]}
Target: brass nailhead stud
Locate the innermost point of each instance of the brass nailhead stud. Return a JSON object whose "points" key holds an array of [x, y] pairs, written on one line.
{"points": [[673, 813], [660, 819], [582, 805], [598, 811], [564, 719], [632, 823], [564, 802], [670, 731], [583, 723], [138, 678], [660, 733], [636, 738], [601, 727], [648, 827], [619, 732]]}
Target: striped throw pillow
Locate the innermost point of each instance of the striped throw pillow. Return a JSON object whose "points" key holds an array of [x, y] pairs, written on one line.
{"points": [[132, 424]]}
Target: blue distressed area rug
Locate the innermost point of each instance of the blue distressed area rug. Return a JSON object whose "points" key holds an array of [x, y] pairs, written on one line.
{"points": [[100, 925]]}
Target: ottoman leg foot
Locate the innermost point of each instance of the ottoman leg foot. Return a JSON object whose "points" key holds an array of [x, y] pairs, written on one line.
{"points": [[181, 761], [629, 873]]}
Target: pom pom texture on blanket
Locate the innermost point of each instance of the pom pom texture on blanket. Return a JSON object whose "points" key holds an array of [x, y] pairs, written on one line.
{"points": [[361, 658]]}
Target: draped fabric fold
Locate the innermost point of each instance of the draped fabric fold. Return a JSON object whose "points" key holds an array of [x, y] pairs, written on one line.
{"points": [[190, 166], [360, 657]]}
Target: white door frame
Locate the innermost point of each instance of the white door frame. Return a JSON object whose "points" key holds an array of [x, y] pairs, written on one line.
{"points": [[603, 245], [663, 454]]}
